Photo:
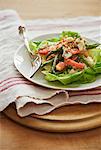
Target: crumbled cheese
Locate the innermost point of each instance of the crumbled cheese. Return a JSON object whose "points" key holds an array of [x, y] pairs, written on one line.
{"points": [[70, 39], [72, 71]]}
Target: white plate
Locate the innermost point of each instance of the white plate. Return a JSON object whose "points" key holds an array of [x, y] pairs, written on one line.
{"points": [[22, 63]]}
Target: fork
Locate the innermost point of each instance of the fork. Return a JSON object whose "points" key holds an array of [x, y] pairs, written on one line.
{"points": [[35, 58]]}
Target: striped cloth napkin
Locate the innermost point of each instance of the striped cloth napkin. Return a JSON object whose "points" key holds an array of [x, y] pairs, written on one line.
{"points": [[15, 88]]}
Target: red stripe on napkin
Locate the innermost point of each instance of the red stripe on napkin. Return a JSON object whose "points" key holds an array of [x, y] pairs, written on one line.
{"points": [[7, 83], [10, 78], [14, 84]]}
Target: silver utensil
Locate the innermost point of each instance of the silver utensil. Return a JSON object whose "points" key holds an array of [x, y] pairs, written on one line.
{"points": [[35, 58]]}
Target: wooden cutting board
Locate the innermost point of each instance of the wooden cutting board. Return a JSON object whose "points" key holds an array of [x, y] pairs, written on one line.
{"points": [[65, 119]]}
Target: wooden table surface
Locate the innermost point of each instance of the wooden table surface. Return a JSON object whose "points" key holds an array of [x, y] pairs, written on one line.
{"points": [[16, 137], [53, 8]]}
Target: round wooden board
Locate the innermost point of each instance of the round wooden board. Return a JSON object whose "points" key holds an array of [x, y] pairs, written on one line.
{"points": [[65, 119]]}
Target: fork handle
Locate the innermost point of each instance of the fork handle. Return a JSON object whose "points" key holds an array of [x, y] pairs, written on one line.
{"points": [[22, 31]]}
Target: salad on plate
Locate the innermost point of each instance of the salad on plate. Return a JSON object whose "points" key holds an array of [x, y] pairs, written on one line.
{"points": [[68, 58]]}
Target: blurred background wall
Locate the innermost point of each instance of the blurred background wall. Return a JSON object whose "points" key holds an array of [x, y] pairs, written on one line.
{"points": [[53, 8]]}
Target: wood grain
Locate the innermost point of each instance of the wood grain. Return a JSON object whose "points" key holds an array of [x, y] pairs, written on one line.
{"points": [[64, 119], [16, 137], [53, 8]]}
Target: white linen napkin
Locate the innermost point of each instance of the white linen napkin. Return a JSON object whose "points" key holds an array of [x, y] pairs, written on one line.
{"points": [[15, 88]]}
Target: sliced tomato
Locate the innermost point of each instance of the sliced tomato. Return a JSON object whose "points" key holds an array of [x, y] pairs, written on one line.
{"points": [[74, 64], [43, 51]]}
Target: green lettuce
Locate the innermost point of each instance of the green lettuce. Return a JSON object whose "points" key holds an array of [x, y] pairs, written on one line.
{"points": [[50, 76], [70, 34], [87, 78], [64, 78], [97, 68], [69, 78], [95, 54], [78, 77], [56, 39], [33, 47]]}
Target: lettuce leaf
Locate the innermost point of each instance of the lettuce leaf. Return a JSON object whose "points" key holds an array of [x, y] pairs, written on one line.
{"points": [[69, 78], [90, 71], [70, 34], [37, 42], [33, 47], [45, 43], [49, 76], [56, 39], [97, 68], [64, 78], [87, 78], [95, 54]]}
